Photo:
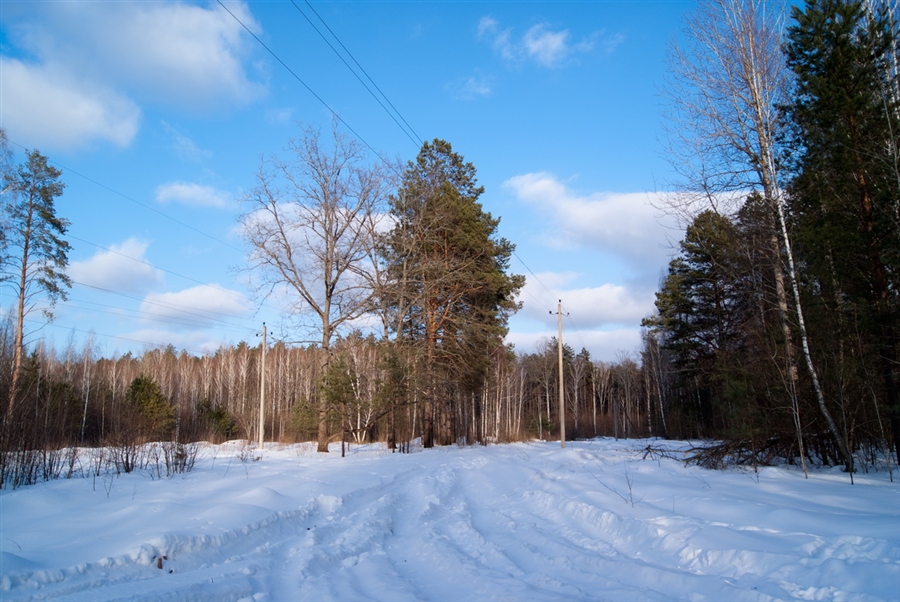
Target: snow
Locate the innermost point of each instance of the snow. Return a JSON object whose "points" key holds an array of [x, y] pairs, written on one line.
{"points": [[528, 521]]}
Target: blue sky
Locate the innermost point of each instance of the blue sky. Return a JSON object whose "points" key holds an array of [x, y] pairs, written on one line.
{"points": [[159, 113]]}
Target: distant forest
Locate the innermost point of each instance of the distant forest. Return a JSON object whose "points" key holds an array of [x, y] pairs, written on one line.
{"points": [[776, 332]]}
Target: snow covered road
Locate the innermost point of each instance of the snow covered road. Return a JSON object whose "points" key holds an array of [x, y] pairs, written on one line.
{"points": [[514, 522]]}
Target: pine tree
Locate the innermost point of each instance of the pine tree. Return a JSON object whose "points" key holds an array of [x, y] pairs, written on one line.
{"points": [[154, 413], [37, 252], [449, 285], [728, 81]]}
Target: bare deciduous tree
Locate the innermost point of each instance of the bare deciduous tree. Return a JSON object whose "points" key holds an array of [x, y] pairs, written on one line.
{"points": [[307, 227]]}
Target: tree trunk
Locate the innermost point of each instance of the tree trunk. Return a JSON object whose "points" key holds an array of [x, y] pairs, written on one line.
{"points": [[19, 344]]}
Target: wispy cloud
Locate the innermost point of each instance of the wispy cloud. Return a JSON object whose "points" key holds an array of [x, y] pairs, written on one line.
{"points": [[184, 146], [194, 195], [541, 44], [471, 87], [550, 48], [282, 116], [487, 26]]}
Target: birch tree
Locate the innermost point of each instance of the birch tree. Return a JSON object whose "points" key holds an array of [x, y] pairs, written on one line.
{"points": [[846, 190], [729, 80]]}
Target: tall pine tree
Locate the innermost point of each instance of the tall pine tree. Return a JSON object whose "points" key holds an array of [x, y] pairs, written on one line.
{"points": [[449, 285], [37, 252]]}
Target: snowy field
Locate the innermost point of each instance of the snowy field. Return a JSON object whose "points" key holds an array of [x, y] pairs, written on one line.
{"points": [[518, 522]]}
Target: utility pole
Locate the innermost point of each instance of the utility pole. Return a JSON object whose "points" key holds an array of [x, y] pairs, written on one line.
{"points": [[562, 401], [262, 389]]}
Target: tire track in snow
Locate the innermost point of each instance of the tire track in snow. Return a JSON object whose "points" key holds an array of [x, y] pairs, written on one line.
{"points": [[190, 560], [462, 525]]}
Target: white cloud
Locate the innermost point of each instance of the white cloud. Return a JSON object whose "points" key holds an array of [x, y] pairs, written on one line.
{"points": [[605, 318], [625, 225], [548, 48], [193, 341], [540, 44], [611, 42], [184, 146], [195, 195], [617, 244], [47, 108], [599, 306], [91, 63], [174, 52], [204, 306], [122, 268], [282, 116], [471, 87], [486, 26], [604, 345]]}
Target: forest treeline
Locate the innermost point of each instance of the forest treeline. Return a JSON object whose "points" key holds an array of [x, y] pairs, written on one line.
{"points": [[778, 319], [78, 399], [776, 331]]}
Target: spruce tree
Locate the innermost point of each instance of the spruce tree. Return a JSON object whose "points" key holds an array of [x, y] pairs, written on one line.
{"points": [[702, 309], [845, 193]]}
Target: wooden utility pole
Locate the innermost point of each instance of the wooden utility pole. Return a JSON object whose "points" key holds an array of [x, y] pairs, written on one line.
{"points": [[262, 389], [562, 400]]}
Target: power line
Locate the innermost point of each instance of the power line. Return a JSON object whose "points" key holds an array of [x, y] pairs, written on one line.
{"points": [[552, 294], [415, 138], [112, 336], [188, 278], [538, 280], [135, 201], [577, 332], [303, 83], [163, 214], [174, 306], [536, 300], [158, 212], [74, 304]]}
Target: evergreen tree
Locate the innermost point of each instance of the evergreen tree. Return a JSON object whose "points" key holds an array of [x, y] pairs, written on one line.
{"points": [[702, 308], [449, 285], [37, 252], [154, 413], [845, 194]]}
